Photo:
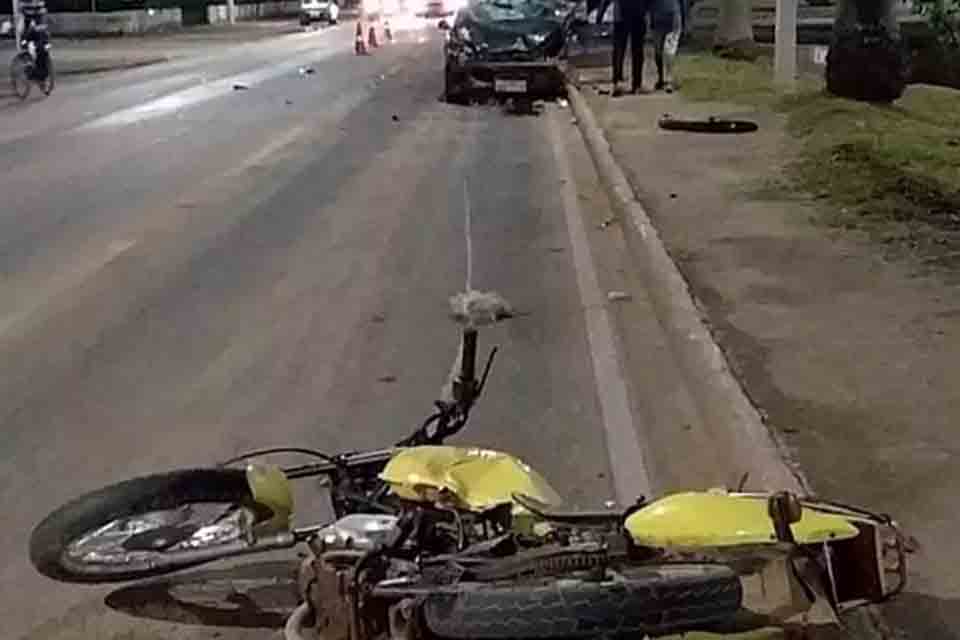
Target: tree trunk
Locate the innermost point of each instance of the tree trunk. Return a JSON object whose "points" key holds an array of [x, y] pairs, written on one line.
{"points": [[735, 25], [734, 36], [867, 60]]}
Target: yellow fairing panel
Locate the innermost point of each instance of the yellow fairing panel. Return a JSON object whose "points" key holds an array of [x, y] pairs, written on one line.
{"points": [[723, 520], [272, 489], [477, 478]]}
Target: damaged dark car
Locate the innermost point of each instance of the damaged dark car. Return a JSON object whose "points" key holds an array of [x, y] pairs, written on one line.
{"points": [[507, 49]]}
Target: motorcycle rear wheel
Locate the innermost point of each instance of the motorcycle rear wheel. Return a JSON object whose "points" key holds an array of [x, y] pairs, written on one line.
{"points": [[48, 83], [144, 527], [654, 601]]}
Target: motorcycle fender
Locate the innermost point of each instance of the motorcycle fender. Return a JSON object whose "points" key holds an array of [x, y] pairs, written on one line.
{"points": [[714, 520], [271, 488]]}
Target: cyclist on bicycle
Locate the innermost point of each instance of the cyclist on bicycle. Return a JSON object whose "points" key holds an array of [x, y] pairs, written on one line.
{"points": [[35, 31]]}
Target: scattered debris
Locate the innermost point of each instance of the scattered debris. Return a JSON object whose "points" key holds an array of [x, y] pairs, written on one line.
{"points": [[673, 195], [562, 102], [574, 121], [606, 223], [618, 296], [379, 318], [396, 118], [288, 101], [387, 379], [305, 71], [240, 87]]}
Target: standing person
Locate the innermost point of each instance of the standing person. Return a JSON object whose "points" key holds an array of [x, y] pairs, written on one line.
{"points": [[667, 22], [35, 30], [629, 23]]}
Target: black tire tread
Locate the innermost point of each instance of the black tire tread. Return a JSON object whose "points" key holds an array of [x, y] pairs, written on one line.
{"points": [[139, 495], [651, 603]]}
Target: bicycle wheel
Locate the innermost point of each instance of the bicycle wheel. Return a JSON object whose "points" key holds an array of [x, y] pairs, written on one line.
{"points": [[20, 75], [47, 84]]}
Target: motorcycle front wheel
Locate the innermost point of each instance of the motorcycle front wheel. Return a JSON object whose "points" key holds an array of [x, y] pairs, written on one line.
{"points": [[147, 526], [20, 75]]}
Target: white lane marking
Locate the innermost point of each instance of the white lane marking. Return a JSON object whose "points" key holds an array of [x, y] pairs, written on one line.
{"points": [[468, 234], [628, 462], [177, 100]]}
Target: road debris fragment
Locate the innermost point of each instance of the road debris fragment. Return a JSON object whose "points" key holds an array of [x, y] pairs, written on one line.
{"points": [[240, 87], [618, 296]]}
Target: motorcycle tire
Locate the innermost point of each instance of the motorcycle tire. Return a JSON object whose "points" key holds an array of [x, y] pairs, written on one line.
{"points": [[51, 539], [710, 125], [654, 601]]}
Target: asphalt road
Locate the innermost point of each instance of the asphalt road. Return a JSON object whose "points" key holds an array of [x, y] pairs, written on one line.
{"points": [[189, 270]]}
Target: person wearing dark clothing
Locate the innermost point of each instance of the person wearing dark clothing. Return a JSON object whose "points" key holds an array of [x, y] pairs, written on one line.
{"points": [[667, 22], [629, 24], [35, 31]]}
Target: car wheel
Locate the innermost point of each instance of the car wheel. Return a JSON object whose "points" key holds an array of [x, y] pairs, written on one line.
{"points": [[304, 21]]}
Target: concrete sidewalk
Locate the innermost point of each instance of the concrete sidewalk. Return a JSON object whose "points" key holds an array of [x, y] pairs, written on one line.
{"points": [[849, 357]]}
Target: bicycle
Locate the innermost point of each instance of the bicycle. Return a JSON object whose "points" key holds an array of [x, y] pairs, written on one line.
{"points": [[24, 70]]}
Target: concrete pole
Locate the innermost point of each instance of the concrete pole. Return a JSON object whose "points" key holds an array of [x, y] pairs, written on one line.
{"points": [[231, 11], [17, 27], [785, 53]]}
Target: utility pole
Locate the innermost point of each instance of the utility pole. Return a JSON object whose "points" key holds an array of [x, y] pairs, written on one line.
{"points": [[15, 19], [785, 52], [231, 12]]}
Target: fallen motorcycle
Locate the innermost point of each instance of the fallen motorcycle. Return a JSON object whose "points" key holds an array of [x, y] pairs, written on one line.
{"points": [[430, 540]]}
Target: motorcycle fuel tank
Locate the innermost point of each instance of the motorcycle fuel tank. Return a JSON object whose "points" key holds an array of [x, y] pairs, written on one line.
{"points": [[477, 479]]}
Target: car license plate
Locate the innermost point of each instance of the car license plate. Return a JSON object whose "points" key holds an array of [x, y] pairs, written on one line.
{"points": [[501, 85]]}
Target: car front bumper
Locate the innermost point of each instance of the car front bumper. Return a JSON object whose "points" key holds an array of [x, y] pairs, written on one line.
{"points": [[542, 80]]}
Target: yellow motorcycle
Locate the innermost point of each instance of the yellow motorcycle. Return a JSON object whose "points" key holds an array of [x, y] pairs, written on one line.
{"points": [[434, 541]]}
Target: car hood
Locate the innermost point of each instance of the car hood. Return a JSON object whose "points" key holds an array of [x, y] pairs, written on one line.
{"points": [[497, 26]]}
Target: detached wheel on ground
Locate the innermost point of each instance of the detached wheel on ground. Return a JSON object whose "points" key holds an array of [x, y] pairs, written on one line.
{"points": [[650, 601], [710, 125]]}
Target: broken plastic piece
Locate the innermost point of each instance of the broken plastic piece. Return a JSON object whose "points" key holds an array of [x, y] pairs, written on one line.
{"points": [[617, 296]]}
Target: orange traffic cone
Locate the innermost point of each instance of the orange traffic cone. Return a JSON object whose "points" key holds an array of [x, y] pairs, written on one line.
{"points": [[373, 37], [359, 45]]}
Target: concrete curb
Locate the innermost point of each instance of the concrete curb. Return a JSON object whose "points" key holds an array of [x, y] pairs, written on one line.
{"points": [[738, 429]]}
